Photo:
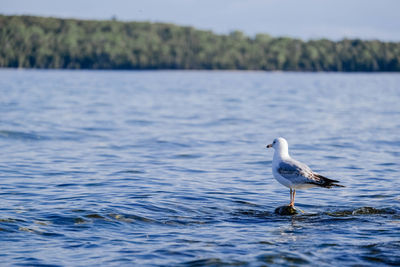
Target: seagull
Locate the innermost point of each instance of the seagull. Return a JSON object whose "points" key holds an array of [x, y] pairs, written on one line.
{"points": [[294, 174]]}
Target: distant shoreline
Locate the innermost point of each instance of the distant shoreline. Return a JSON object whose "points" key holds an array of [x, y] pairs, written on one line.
{"points": [[205, 70], [52, 43]]}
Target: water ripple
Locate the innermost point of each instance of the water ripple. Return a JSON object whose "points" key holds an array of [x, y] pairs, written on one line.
{"points": [[170, 168]]}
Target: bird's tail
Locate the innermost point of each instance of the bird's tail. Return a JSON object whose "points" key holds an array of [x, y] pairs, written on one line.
{"points": [[328, 183]]}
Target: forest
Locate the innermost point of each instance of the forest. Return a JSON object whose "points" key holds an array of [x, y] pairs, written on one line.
{"points": [[54, 43]]}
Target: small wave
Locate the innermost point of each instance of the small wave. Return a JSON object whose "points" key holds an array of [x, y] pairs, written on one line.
{"points": [[139, 122], [171, 144], [352, 167], [130, 172], [21, 135], [253, 213], [97, 129], [186, 170], [11, 220], [187, 156], [130, 218], [384, 252], [231, 121], [180, 221], [283, 258], [38, 231], [261, 162], [387, 143], [387, 164], [65, 220], [66, 185], [333, 157], [243, 202], [212, 262]]}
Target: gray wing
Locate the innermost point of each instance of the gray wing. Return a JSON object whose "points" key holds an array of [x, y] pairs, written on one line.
{"points": [[296, 171]]}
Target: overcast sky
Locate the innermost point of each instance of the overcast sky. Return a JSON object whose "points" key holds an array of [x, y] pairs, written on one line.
{"points": [[306, 19]]}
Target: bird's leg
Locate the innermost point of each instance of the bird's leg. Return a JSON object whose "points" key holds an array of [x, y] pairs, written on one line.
{"points": [[294, 194]]}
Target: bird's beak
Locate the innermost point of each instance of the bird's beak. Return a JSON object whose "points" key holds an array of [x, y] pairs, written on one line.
{"points": [[270, 145]]}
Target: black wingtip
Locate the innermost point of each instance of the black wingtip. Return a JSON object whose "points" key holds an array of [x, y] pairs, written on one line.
{"points": [[328, 183], [336, 185]]}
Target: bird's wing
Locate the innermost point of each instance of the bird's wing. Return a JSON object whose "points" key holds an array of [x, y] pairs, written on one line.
{"points": [[296, 171]]}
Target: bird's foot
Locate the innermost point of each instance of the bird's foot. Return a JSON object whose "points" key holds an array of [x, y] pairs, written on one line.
{"points": [[302, 211]]}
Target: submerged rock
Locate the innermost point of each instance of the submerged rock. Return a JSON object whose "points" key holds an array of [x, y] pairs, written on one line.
{"points": [[361, 211], [285, 210], [371, 210]]}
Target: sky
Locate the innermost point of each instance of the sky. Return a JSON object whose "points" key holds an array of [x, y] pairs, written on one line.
{"points": [[305, 19]]}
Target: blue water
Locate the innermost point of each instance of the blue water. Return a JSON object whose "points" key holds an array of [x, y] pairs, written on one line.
{"points": [[122, 168]]}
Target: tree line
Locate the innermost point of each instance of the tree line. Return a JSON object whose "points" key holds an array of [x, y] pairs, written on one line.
{"points": [[38, 42]]}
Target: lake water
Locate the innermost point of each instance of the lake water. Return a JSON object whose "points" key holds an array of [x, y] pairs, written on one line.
{"points": [[169, 168]]}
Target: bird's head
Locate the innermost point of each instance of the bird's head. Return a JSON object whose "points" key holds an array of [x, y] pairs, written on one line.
{"points": [[279, 144]]}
